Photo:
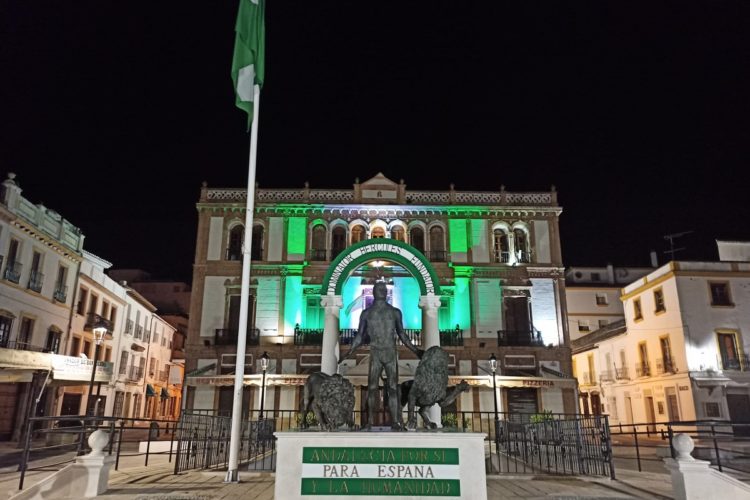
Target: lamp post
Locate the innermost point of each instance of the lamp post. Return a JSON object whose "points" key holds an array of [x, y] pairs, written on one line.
{"points": [[493, 368], [264, 366], [100, 329]]}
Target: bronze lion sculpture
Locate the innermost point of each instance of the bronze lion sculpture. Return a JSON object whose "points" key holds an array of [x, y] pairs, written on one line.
{"points": [[429, 387], [331, 398]]}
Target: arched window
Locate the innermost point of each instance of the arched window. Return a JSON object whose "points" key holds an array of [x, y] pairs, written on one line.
{"points": [[398, 233], [256, 250], [416, 238], [521, 243], [236, 237], [318, 250], [358, 234], [501, 251], [338, 241], [437, 244], [377, 232]]}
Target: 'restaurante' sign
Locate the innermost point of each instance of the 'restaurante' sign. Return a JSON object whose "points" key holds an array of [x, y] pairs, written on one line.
{"points": [[381, 471], [375, 249]]}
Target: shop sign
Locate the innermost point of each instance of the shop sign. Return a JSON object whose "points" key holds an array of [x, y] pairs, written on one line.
{"points": [[79, 369]]}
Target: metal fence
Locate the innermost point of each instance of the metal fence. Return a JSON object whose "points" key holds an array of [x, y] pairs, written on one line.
{"points": [[724, 443], [545, 443]]}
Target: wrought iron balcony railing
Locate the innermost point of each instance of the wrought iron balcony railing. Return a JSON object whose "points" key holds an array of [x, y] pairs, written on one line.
{"points": [[665, 365], [138, 331], [12, 272], [622, 373], [642, 370], [135, 372], [318, 254], [525, 338], [93, 320], [523, 256], [228, 336], [61, 293], [36, 279], [314, 336], [22, 346], [452, 338], [438, 256], [735, 363], [129, 326], [501, 257], [607, 376]]}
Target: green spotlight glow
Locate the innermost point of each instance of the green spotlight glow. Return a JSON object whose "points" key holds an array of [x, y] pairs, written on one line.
{"points": [[292, 302], [296, 235], [457, 235], [461, 307]]}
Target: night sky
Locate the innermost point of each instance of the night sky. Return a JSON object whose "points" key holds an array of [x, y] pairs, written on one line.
{"points": [[113, 113]]}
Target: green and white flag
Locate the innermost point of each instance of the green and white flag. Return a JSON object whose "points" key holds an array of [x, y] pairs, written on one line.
{"points": [[248, 64]]}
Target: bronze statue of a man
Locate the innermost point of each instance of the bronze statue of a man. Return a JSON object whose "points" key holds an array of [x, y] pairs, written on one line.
{"points": [[382, 322]]}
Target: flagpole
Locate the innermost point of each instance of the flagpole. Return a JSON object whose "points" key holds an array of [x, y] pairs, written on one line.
{"points": [[233, 475]]}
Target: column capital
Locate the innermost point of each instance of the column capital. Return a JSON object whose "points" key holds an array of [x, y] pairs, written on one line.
{"points": [[332, 302], [429, 301]]}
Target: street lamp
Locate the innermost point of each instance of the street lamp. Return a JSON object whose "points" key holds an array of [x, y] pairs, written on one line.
{"points": [[264, 366], [100, 329], [493, 368]]}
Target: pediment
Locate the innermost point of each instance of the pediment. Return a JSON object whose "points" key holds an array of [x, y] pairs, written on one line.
{"points": [[379, 189]]}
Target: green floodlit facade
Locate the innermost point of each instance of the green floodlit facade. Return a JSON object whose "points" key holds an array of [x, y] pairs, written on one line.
{"points": [[491, 260]]}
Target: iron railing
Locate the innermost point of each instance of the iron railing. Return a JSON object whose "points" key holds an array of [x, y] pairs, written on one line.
{"points": [[135, 372], [607, 376], [36, 279], [501, 257], [452, 338], [228, 336], [22, 345], [61, 293], [12, 271], [736, 363], [526, 338], [314, 336], [622, 373], [666, 365], [93, 320], [437, 256], [642, 369]]}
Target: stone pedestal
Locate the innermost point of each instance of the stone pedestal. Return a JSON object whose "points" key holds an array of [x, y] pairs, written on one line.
{"points": [[430, 305], [335, 465], [330, 349]]}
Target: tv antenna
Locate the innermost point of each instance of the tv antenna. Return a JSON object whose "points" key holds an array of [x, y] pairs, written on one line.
{"points": [[670, 238]]}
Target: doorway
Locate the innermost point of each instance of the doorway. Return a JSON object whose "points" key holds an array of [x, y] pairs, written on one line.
{"points": [[628, 410], [739, 413], [650, 413]]}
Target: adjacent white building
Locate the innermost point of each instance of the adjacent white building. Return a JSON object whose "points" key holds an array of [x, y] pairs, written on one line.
{"points": [[680, 354]]}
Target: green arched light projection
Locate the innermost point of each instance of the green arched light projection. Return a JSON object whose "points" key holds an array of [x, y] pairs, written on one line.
{"points": [[381, 248]]}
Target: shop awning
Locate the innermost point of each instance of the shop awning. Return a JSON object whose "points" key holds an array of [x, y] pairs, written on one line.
{"points": [[150, 392], [164, 393]]}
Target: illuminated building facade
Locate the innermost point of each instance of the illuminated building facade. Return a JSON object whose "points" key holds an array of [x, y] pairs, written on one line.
{"points": [[680, 353], [477, 272]]}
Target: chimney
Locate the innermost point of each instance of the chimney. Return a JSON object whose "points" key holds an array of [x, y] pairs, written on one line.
{"points": [[654, 260]]}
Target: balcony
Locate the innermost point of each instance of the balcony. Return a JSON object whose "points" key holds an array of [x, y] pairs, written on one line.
{"points": [[23, 346], [622, 373], [735, 363], [501, 257], [666, 365], [452, 338], [524, 256], [607, 376], [36, 279], [642, 370], [228, 336], [12, 272], [129, 327], [138, 331], [93, 320], [437, 256], [520, 338], [318, 255], [588, 378], [314, 336], [135, 373], [61, 293]]}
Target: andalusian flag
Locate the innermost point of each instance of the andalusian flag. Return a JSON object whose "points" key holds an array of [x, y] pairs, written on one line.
{"points": [[248, 64]]}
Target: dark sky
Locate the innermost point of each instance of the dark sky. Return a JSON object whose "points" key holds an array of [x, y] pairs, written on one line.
{"points": [[639, 112]]}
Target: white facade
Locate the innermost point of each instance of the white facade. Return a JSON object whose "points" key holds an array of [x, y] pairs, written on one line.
{"points": [[40, 253], [682, 355]]}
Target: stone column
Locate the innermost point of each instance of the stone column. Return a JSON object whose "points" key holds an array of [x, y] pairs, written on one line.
{"points": [[330, 349], [430, 304]]}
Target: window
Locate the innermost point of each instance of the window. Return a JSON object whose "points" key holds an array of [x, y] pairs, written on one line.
{"points": [[117, 409], [123, 362], [152, 367], [318, 243], [52, 343], [398, 233], [601, 299], [637, 310], [358, 233], [667, 366], [75, 346], [416, 238], [643, 368], [107, 355], [236, 237], [93, 303], [713, 410], [603, 323], [377, 232], [105, 309], [437, 244], [61, 289], [659, 301], [36, 277], [25, 333], [720, 294], [338, 241], [501, 251], [730, 355], [6, 322], [521, 241], [13, 267], [86, 348], [82, 296], [256, 249], [113, 315], [592, 369], [314, 314], [583, 326]]}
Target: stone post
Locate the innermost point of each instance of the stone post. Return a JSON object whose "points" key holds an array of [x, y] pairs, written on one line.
{"points": [[330, 348], [694, 479], [97, 464], [430, 304]]}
